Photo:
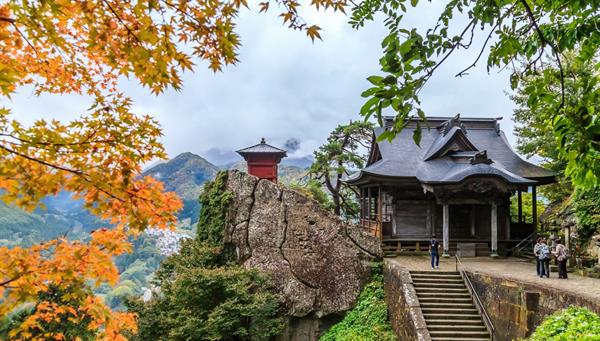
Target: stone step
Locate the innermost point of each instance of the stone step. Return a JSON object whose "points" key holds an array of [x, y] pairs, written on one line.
{"points": [[434, 276], [443, 295], [439, 285], [458, 333], [460, 339], [446, 305], [461, 322], [438, 280], [451, 327], [435, 272], [443, 290], [443, 316], [449, 311], [457, 300]]}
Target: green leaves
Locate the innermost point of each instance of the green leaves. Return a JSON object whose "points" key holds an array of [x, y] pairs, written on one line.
{"points": [[368, 320], [514, 36], [204, 297], [375, 80], [573, 323]]}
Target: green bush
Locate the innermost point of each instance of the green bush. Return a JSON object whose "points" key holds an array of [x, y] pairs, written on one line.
{"points": [[204, 293], [587, 210], [573, 323], [368, 320]]}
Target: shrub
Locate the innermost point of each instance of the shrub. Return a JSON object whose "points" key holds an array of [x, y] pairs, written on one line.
{"points": [[573, 323], [368, 320]]}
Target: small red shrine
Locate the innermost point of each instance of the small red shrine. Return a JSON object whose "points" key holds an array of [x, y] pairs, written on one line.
{"points": [[262, 160]]}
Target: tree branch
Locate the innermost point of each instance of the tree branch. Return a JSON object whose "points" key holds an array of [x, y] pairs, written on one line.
{"points": [[121, 20], [552, 46], [8, 20]]}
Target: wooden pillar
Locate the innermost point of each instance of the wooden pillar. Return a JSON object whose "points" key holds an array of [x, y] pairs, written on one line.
{"points": [[472, 221], [494, 223], [446, 230], [428, 220], [369, 205], [379, 212], [534, 208], [507, 218], [362, 204], [520, 207]]}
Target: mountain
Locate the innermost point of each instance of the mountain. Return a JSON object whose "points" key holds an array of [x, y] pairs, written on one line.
{"points": [[300, 162], [185, 175]]}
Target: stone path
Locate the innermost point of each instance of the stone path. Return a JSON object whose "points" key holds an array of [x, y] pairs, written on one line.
{"points": [[509, 268]]}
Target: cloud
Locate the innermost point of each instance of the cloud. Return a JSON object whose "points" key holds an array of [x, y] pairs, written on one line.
{"points": [[291, 145], [287, 87]]}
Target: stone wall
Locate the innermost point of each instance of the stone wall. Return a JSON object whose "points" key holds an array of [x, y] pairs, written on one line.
{"points": [[403, 305], [317, 262], [517, 308]]}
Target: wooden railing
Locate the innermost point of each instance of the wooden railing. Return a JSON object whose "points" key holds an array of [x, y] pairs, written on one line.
{"points": [[374, 226], [478, 304], [528, 242]]}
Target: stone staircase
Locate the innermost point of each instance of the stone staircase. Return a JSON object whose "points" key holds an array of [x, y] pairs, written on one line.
{"points": [[447, 307]]}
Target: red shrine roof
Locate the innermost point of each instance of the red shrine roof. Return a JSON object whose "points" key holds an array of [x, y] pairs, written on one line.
{"points": [[262, 148]]}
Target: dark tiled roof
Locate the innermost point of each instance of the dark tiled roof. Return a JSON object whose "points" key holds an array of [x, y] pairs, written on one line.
{"points": [[442, 159], [262, 147]]}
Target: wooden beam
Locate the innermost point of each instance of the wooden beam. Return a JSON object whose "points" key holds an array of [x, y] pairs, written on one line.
{"points": [[369, 204], [473, 219], [534, 208], [494, 228], [520, 206], [379, 212], [446, 230]]}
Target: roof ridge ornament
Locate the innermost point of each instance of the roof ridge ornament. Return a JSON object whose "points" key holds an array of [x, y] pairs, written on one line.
{"points": [[263, 141], [453, 122], [481, 158]]}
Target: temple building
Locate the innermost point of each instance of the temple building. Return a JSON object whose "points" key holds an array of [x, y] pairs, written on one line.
{"points": [[457, 185], [263, 160]]}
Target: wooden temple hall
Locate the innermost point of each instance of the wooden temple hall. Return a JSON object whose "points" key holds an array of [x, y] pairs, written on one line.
{"points": [[457, 185]]}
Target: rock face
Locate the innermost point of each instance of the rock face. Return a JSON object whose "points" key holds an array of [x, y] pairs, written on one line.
{"points": [[318, 262]]}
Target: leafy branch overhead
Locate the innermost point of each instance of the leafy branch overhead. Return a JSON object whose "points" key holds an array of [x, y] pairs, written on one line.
{"points": [[520, 35]]}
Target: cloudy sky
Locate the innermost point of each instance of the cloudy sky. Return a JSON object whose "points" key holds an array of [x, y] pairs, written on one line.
{"points": [[287, 87]]}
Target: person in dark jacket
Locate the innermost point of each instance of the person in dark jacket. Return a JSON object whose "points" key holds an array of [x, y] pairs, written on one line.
{"points": [[561, 258], [434, 246]]}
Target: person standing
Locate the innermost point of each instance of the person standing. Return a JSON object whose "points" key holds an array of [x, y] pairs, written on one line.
{"points": [[536, 253], [561, 258], [544, 258], [434, 246]]}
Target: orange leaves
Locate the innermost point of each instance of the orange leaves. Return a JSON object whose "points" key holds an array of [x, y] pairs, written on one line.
{"points": [[313, 32], [293, 19], [98, 158], [64, 266], [264, 6]]}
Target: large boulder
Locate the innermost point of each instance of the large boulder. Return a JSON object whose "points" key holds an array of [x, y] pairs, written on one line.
{"points": [[318, 262]]}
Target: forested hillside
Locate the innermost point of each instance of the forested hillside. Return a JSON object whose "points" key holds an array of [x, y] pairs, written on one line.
{"points": [[63, 216]]}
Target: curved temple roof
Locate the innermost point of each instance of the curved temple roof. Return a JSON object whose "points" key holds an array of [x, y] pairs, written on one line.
{"points": [[452, 150], [262, 147]]}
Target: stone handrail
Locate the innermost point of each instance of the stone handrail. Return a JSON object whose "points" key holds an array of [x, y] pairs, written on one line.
{"points": [[480, 307]]}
